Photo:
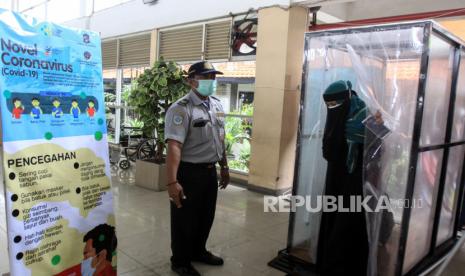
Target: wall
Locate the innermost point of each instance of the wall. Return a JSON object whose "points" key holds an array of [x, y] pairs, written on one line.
{"points": [[134, 16]]}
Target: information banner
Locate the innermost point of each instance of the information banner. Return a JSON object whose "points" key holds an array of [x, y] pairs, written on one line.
{"points": [[59, 202]]}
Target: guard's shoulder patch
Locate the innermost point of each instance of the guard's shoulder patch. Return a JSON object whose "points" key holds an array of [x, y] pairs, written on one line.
{"points": [[183, 102], [177, 120]]}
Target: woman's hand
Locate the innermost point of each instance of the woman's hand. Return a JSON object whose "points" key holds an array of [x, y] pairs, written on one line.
{"points": [[379, 118]]}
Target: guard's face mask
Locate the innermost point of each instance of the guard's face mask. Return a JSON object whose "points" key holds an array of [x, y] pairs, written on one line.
{"points": [[206, 87]]}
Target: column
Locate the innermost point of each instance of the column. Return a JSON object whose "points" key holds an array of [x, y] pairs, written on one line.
{"points": [[153, 46], [277, 94]]}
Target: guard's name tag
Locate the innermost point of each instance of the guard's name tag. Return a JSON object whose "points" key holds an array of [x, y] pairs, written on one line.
{"points": [[220, 114], [177, 120]]}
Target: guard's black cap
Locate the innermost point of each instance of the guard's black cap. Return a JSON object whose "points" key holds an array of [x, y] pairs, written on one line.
{"points": [[202, 68]]}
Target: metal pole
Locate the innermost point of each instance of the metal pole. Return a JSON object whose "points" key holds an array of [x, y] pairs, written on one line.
{"points": [[119, 84]]}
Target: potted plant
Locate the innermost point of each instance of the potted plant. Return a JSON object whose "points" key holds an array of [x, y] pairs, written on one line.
{"points": [[152, 94]]}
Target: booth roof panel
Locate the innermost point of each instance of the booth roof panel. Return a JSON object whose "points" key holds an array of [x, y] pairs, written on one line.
{"points": [[385, 44], [402, 25], [445, 32]]}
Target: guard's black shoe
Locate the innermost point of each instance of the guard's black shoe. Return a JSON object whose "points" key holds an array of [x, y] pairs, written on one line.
{"points": [[209, 259], [187, 270]]}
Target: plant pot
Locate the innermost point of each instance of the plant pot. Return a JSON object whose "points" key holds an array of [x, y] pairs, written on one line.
{"points": [[151, 175]]}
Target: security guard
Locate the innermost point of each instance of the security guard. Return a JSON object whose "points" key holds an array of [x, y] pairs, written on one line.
{"points": [[194, 131]]}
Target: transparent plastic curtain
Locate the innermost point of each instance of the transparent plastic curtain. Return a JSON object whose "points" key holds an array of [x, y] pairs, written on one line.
{"points": [[383, 65], [324, 66], [393, 93]]}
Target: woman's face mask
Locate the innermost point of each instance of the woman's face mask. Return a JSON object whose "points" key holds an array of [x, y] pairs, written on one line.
{"points": [[334, 104], [206, 87]]}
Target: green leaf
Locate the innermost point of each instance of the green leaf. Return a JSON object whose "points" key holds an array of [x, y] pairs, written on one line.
{"points": [[153, 92], [163, 82]]}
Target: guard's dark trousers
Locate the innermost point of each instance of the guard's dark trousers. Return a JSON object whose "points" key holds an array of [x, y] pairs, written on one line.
{"points": [[191, 224]]}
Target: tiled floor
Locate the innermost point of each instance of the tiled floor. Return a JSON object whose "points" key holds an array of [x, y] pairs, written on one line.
{"points": [[242, 233], [456, 266]]}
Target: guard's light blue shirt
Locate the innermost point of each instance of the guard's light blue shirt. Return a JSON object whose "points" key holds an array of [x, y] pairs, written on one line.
{"points": [[200, 129]]}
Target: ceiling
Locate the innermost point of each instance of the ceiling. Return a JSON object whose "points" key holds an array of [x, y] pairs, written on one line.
{"points": [[334, 11]]}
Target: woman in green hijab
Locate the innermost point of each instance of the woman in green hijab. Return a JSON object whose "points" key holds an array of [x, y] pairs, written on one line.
{"points": [[343, 241]]}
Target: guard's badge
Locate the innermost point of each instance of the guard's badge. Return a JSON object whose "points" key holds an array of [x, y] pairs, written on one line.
{"points": [[177, 120]]}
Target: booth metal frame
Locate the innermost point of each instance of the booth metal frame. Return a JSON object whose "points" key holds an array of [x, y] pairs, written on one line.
{"points": [[289, 263]]}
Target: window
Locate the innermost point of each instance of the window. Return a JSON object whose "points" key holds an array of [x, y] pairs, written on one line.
{"points": [[121, 119], [190, 43], [109, 88], [130, 122], [237, 95]]}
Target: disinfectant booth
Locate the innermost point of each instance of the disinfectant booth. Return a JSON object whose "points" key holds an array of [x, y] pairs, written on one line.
{"points": [[413, 75]]}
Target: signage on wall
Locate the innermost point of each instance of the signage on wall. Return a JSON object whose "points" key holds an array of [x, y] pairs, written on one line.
{"points": [[244, 36], [59, 201]]}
